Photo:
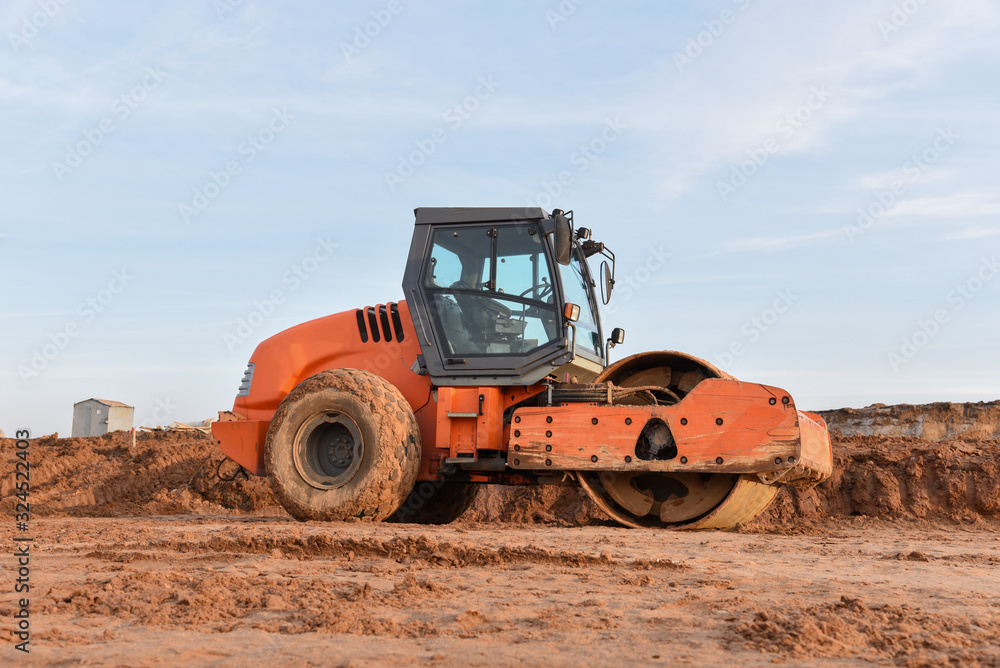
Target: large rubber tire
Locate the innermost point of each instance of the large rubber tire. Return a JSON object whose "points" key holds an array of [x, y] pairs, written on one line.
{"points": [[379, 448], [435, 502]]}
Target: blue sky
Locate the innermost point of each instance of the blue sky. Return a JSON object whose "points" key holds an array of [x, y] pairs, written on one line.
{"points": [[805, 193]]}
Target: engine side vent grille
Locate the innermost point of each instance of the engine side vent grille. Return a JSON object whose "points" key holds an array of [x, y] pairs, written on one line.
{"points": [[379, 323], [383, 316], [361, 326], [373, 323], [397, 323]]}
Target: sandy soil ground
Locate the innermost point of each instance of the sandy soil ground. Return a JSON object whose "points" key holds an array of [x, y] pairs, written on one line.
{"points": [[141, 556], [202, 590]]}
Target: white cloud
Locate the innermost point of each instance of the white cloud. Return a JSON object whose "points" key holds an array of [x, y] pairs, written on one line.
{"points": [[771, 244], [698, 130], [973, 233], [957, 205]]}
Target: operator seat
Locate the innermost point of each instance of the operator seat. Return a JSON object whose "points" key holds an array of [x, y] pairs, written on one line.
{"points": [[452, 322], [474, 314]]}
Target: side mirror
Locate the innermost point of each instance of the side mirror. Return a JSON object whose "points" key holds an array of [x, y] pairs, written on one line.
{"points": [[616, 339], [563, 237], [607, 283], [617, 336]]}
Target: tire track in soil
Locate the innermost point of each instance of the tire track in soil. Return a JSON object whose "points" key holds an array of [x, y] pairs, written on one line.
{"points": [[850, 629]]}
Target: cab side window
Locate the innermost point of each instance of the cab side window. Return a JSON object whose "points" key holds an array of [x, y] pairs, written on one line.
{"points": [[490, 289], [457, 259]]}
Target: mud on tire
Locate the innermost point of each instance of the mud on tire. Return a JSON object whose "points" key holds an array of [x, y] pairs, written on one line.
{"points": [[343, 444], [435, 502]]}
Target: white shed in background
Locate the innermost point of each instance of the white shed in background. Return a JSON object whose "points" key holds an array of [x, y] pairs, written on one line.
{"points": [[96, 417]]}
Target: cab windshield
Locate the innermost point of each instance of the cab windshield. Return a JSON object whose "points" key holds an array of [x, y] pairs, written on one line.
{"points": [[490, 289]]}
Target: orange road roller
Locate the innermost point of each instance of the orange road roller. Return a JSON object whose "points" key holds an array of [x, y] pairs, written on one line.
{"points": [[494, 369]]}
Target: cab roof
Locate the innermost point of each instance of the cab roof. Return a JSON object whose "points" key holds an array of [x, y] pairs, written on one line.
{"points": [[452, 215]]}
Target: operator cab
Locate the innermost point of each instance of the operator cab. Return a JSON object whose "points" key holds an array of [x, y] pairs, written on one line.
{"points": [[488, 292]]}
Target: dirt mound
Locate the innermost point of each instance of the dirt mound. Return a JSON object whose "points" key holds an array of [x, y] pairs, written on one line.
{"points": [[547, 503], [896, 478], [891, 478], [165, 473], [930, 422]]}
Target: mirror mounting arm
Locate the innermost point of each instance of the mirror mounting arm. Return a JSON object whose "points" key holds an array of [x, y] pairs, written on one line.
{"points": [[592, 248]]}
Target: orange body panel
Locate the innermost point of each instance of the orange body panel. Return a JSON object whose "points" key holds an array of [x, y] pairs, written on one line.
{"points": [[242, 441], [332, 342], [722, 425], [451, 426], [469, 419]]}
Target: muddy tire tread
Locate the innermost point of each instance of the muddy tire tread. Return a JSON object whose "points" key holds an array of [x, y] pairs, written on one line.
{"points": [[396, 459]]}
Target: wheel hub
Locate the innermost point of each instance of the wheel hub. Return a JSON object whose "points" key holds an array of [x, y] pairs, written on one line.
{"points": [[341, 451], [328, 450]]}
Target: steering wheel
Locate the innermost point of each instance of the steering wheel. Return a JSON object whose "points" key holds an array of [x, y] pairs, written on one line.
{"points": [[544, 290]]}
